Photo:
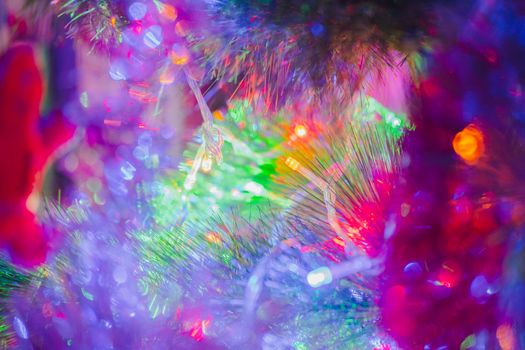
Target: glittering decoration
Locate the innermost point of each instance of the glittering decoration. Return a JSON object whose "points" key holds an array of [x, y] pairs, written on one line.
{"points": [[245, 277], [12, 280], [98, 21], [321, 49], [448, 282], [88, 296], [272, 174]]}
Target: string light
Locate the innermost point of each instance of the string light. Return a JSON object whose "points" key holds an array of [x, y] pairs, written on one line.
{"points": [[469, 144], [300, 130], [292, 163], [319, 277]]}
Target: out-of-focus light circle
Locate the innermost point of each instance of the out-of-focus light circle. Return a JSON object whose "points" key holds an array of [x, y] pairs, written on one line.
{"points": [[20, 328], [506, 337], [153, 37], [413, 270], [317, 29], [254, 188], [137, 11], [128, 171], [479, 288], [182, 28], [469, 144], [169, 12], [319, 277], [179, 54], [118, 71]]}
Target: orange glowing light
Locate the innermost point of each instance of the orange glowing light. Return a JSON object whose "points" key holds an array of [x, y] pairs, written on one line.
{"points": [[505, 337], [469, 144], [167, 77], [113, 22], [180, 61], [300, 130], [179, 56], [182, 28], [292, 163], [218, 115], [213, 237], [169, 12]]}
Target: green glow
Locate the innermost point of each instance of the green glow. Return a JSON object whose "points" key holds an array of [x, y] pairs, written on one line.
{"points": [[250, 153], [368, 109], [11, 280], [468, 342], [190, 222]]}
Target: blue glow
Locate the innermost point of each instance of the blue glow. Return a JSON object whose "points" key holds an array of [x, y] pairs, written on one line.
{"points": [[118, 71], [479, 288], [317, 29], [137, 11], [153, 37], [413, 270]]}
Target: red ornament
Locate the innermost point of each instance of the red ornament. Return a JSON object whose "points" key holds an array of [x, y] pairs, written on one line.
{"points": [[25, 148]]}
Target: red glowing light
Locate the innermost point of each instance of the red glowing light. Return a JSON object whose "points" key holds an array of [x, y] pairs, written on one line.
{"points": [[199, 330], [450, 274]]}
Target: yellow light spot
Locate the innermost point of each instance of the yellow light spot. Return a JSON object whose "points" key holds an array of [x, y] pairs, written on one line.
{"points": [[300, 130], [469, 144], [213, 237], [169, 12], [167, 77], [179, 56], [180, 60], [505, 337], [292, 163], [113, 21], [339, 241]]}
